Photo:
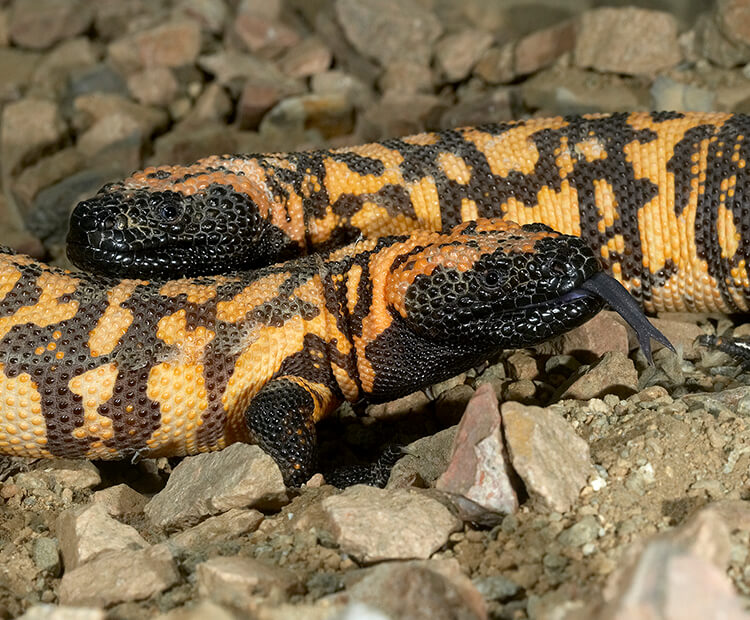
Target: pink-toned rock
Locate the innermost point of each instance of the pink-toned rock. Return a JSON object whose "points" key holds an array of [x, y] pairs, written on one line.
{"points": [[613, 374], [605, 332], [479, 470], [153, 86], [307, 58], [373, 525], [263, 35], [522, 365], [41, 23], [627, 40], [543, 47], [548, 455], [173, 44], [255, 101], [457, 53]]}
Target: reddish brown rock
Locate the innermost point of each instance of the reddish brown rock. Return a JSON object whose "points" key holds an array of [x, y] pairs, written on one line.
{"points": [[42, 23], [263, 35], [543, 47], [305, 59], [173, 44]]}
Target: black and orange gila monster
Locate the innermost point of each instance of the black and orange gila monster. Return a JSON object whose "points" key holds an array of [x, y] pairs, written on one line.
{"points": [[661, 198], [99, 367]]}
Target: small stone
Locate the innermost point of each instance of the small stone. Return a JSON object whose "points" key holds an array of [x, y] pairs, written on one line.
{"points": [[52, 74], [551, 459], [211, 14], [119, 576], [665, 581], [42, 23], [406, 76], [479, 470], [107, 132], [153, 86], [733, 19], [231, 524], [46, 172], [334, 81], [307, 58], [628, 40], [91, 108], [668, 94], [406, 405], [496, 105], [114, 17], [255, 101], [262, 35], [543, 47], [75, 474], [239, 476], [605, 332], [46, 554], [212, 106], [712, 45], [187, 144], [4, 35], [397, 114], [120, 500], [241, 582], [231, 67], [98, 79], [331, 114], [374, 524], [386, 30], [613, 374], [41, 611], [457, 53], [496, 587], [200, 610], [523, 391], [417, 589], [496, 66], [88, 532], [424, 460], [584, 531], [16, 69], [173, 44], [522, 365], [30, 128]]}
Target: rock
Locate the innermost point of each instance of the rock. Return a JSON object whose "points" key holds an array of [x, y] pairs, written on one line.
{"points": [[231, 524], [479, 470], [374, 524], [242, 582], [522, 365], [681, 334], [88, 532], [47, 171], [629, 40], [335, 81], [41, 611], [406, 76], [187, 144], [424, 461], [173, 44], [495, 106], [613, 374], [42, 23], [97, 80], [604, 333], [212, 106], [667, 94], [733, 20], [45, 552], [397, 114], [261, 34], [584, 531], [114, 17], [75, 474], [457, 53], [239, 476], [91, 108], [16, 69], [4, 36], [120, 500], [107, 132], [406, 405], [255, 101], [199, 610], [568, 90], [495, 587], [712, 45], [542, 48], [389, 29], [548, 455], [331, 114], [414, 590], [30, 129], [668, 582], [153, 86], [52, 74], [496, 66], [230, 68], [450, 405], [305, 59], [117, 576], [210, 14]]}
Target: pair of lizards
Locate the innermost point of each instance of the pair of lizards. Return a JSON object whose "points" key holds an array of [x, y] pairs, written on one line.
{"points": [[436, 278]]}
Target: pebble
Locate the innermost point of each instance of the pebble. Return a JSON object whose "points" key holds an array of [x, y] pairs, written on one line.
{"points": [[41, 611], [117, 576], [613, 374], [584, 531], [542, 48], [228, 525], [88, 532], [457, 53], [120, 500], [479, 470], [74, 474], [551, 459], [242, 582], [30, 128], [173, 44], [604, 333], [263, 35], [424, 460], [45, 552], [627, 40], [373, 525], [307, 58], [42, 23], [240, 476], [153, 86]]}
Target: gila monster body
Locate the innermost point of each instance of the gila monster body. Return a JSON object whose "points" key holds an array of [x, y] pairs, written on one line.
{"points": [[98, 367], [661, 199]]}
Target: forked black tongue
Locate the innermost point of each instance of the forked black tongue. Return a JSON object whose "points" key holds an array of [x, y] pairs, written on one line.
{"points": [[615, 294]]}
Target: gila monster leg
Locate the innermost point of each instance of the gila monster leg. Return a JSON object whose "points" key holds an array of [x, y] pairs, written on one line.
{"points": [[281, 420]]}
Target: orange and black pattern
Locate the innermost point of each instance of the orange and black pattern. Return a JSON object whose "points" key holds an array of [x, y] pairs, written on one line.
{"points": [[98, 367], [661, 198]]}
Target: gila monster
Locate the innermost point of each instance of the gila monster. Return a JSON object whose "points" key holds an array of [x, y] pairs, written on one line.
{"points": [[98, 367], [661, 198]]}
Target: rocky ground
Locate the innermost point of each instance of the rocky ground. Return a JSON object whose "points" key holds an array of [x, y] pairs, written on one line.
{"points": [[610, 490]]}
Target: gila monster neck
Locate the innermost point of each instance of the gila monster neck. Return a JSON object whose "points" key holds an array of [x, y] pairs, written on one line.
{"points": [[96, 367], [660, 198]]}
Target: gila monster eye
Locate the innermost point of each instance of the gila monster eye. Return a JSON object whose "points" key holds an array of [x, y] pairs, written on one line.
{"points": [[169, 212], [491, 278]]}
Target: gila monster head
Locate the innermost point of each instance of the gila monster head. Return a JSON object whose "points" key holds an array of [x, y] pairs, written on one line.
{"points": [[496, 283], [166, 233]]}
